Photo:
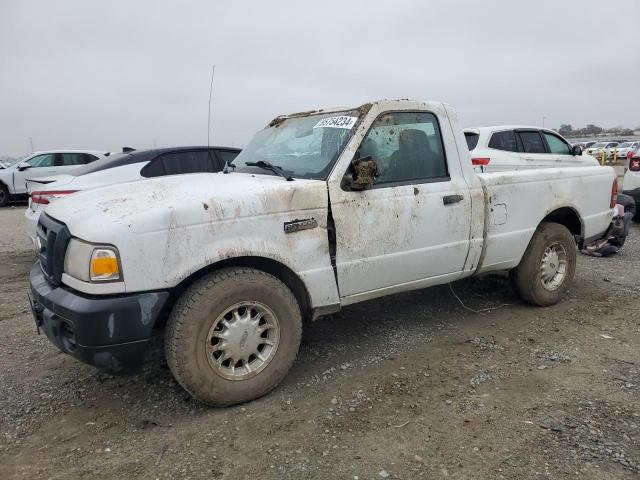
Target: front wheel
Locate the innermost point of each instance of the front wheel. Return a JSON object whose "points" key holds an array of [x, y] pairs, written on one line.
{"points": [[548, 266], [233, 335]]}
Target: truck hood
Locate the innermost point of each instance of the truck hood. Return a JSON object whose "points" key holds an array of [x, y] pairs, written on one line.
{"points": [[101, 214]]}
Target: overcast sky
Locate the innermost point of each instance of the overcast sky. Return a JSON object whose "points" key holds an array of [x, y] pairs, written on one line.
{"points": [[101, 75]]}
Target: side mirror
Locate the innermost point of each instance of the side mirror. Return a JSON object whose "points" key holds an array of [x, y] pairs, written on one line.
{"points": [[576, 150], [364, 174], [23, 166]]}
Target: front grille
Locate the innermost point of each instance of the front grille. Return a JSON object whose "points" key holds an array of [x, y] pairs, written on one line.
{"points": [[53, 237]]}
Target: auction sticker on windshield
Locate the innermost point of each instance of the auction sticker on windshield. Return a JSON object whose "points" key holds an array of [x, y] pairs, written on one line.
{"points": [[342, 121]]}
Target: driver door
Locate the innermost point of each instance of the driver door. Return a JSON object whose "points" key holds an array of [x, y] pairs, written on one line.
{"points": [[413, 225], [39, 166]]}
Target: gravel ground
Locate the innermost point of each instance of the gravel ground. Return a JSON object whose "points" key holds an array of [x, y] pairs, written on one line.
{"points": [[409, 386]]}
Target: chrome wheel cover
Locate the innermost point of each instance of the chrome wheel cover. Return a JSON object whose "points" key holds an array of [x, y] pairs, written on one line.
{"points": [[554, 266], [243, 340]]}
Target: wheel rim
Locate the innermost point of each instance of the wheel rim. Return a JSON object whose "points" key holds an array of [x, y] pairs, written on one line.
{"points": [[2, 196], [553, 267], [243, 340]]}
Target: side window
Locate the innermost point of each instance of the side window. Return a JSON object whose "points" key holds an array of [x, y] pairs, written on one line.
{"points": [[45, 160], [532, 142], [406, 146], [557, 145], [175, 163], [472, 139], [227, 156], [504, 141], [70, 159], [89, 158]]}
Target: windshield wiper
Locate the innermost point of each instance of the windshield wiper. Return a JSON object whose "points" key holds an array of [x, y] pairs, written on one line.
{"points": [[271, 167]]}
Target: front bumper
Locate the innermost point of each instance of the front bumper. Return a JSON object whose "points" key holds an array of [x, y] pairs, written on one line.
{"points": [[109, 332]]}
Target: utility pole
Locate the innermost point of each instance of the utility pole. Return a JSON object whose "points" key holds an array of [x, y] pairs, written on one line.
{"points": [[31, 144], [543, 119]]}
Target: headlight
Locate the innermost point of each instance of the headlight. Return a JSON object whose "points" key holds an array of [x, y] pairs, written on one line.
{"points": [[104, 265], [92, 263]]}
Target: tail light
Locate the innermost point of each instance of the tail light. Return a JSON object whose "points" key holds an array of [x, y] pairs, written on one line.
{"points": [[614, 194], [44, 197], [634, 164], [480, 162]]}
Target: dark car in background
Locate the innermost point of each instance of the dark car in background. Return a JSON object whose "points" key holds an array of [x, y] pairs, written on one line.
{"points": [[129, 166]]}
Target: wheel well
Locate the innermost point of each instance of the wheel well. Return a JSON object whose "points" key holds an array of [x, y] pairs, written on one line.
{"points": [[273, 267], [568, 217]]}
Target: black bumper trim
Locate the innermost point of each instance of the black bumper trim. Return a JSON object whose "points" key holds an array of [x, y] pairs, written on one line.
{"points": [[109, 332]]}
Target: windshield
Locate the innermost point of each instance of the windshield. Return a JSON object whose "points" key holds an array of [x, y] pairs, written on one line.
{"points": [[304, 147], [624, 145], [598, 145]]}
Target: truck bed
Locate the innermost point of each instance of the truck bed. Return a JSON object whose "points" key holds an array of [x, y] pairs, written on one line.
{"points": [[516, 202]]}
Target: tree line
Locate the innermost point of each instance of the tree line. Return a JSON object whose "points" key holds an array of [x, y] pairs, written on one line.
{"points": [[566, 130]]}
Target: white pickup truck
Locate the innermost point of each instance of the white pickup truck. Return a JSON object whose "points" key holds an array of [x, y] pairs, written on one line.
{"points": [[322, 209]]}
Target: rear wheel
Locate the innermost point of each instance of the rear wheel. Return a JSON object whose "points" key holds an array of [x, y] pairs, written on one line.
{"points": [[4, 195], [548, 266], [233, 335]]}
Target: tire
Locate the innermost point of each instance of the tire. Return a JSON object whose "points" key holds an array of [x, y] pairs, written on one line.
{"points": [[4, 195], [197, 324], [533, 278]]}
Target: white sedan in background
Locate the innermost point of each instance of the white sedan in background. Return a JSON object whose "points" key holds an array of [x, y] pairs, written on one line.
{"points": [[120, 168], [624, 148], [508, 147], [597, 148], [13, 178]]}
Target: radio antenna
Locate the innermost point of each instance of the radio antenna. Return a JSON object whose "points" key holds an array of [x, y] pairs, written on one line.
{"points": [[213, 69]]}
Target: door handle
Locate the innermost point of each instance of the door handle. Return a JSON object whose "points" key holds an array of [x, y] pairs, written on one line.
{"points": [[450, 199]]}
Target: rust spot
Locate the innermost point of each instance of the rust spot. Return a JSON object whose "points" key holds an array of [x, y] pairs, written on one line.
{"points": [[206, 207], [415, 190]]}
